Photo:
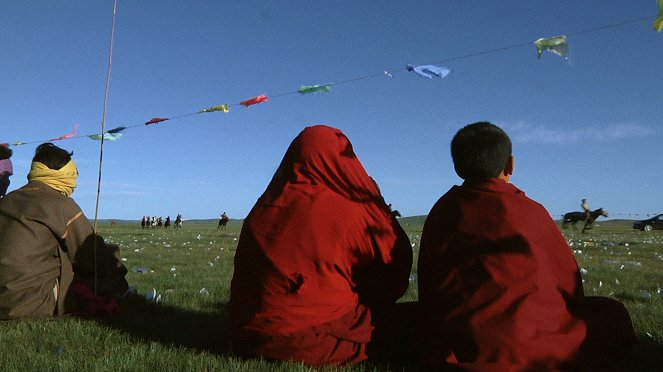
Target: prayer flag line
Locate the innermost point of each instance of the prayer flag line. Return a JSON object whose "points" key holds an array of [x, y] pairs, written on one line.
{"points": [[556, 44]]}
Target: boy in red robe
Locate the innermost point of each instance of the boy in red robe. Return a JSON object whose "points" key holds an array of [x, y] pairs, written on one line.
{"points": [[320, 259], [499, 288]]}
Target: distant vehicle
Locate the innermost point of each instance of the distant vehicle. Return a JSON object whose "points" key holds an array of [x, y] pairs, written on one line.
{"points": [[654, 223]]}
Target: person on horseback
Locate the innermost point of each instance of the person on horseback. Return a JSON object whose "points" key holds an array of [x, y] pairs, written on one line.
{"points": [[584, 204], [223, 221]]}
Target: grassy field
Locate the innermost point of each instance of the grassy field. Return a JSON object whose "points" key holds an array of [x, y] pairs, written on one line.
{"points": [[191, 269]]}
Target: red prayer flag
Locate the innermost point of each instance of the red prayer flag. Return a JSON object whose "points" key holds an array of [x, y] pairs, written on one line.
{"points": [[156, 120], [254, 100]]}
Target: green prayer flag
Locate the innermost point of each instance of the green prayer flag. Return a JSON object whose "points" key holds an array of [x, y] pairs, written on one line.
{"points": [[304, 89], [658, 23], [223, 107], [555, 44]]}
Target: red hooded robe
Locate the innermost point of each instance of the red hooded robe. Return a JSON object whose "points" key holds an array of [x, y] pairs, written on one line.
{"points": [[500, 289], [318, 253]]}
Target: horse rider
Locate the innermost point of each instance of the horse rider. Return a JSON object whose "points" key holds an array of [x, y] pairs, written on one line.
{"points": [[585, 206]]}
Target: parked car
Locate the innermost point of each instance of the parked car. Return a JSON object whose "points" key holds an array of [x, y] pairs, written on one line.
{"points": [[654, 223]]}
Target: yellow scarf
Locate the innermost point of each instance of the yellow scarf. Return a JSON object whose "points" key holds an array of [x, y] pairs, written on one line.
{"points": [[62, 180]]}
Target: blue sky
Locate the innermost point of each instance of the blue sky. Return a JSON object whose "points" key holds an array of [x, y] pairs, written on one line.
{"points": [[584, 127]]}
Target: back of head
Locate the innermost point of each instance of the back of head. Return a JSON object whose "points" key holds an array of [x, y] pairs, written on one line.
{"points": [[323, 156], [5, 152], [480, 151], [52, 156]]}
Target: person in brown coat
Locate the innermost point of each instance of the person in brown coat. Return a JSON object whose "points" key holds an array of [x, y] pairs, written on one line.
{"points": [[47, 243]]}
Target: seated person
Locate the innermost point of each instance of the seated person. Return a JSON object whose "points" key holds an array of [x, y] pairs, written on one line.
{"points": [[499, 288], [319, 258], [46, 243], [6, 169]]}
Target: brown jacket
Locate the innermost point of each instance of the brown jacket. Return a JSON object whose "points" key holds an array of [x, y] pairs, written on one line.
{"points": [[46, 240]]}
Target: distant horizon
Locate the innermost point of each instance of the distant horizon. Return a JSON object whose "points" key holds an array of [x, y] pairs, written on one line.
{"points": [[602, 219]]}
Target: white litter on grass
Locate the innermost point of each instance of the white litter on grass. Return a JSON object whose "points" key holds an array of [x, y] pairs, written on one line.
{"points": [[198, 237], [123, 259], [645, 295], [203, 291], [617, 281], [172, 269], [600, 283], [583, 271], [151, 296]]}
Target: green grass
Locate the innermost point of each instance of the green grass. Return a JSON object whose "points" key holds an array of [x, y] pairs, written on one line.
{"points": [[192, 268]]}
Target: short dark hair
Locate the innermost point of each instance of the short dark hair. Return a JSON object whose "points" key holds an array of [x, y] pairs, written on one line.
{"points": [[52, 156], [5, 152], [480, 151]]}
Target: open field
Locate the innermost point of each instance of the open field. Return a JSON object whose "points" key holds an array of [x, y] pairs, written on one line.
{"points": [[191, 268]]}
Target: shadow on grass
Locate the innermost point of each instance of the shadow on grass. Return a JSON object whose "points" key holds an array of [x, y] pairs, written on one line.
{"points": [[173, 326], [208, 332], [647, 355]]}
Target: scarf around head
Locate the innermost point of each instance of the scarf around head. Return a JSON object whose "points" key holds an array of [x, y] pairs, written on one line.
{"points": [[321, 157], [62, 180]]}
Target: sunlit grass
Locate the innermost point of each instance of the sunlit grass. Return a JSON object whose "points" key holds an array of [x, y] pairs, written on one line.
{"points": [[192, 268]]}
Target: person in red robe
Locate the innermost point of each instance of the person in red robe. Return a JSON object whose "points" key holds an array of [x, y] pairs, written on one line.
{"points": [[319, 259], [499, 288]]}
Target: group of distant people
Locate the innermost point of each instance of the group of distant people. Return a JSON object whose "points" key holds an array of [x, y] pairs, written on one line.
{"points": [[159, 222], [321, 263]]}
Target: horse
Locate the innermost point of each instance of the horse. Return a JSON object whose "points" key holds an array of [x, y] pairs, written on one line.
{"points": [[178, 221], [573, 217], [223, 221]]}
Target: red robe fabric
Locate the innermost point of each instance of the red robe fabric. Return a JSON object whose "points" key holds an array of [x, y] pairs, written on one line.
{"points": [[317, 255], [499, 287]]}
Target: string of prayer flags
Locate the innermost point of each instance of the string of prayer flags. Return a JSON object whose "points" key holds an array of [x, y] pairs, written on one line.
{"points": [[658, 22], [324, 88], [68, 135], [224, 107], [428, 71], [254, 100], [156, 120], [555, 44]]}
